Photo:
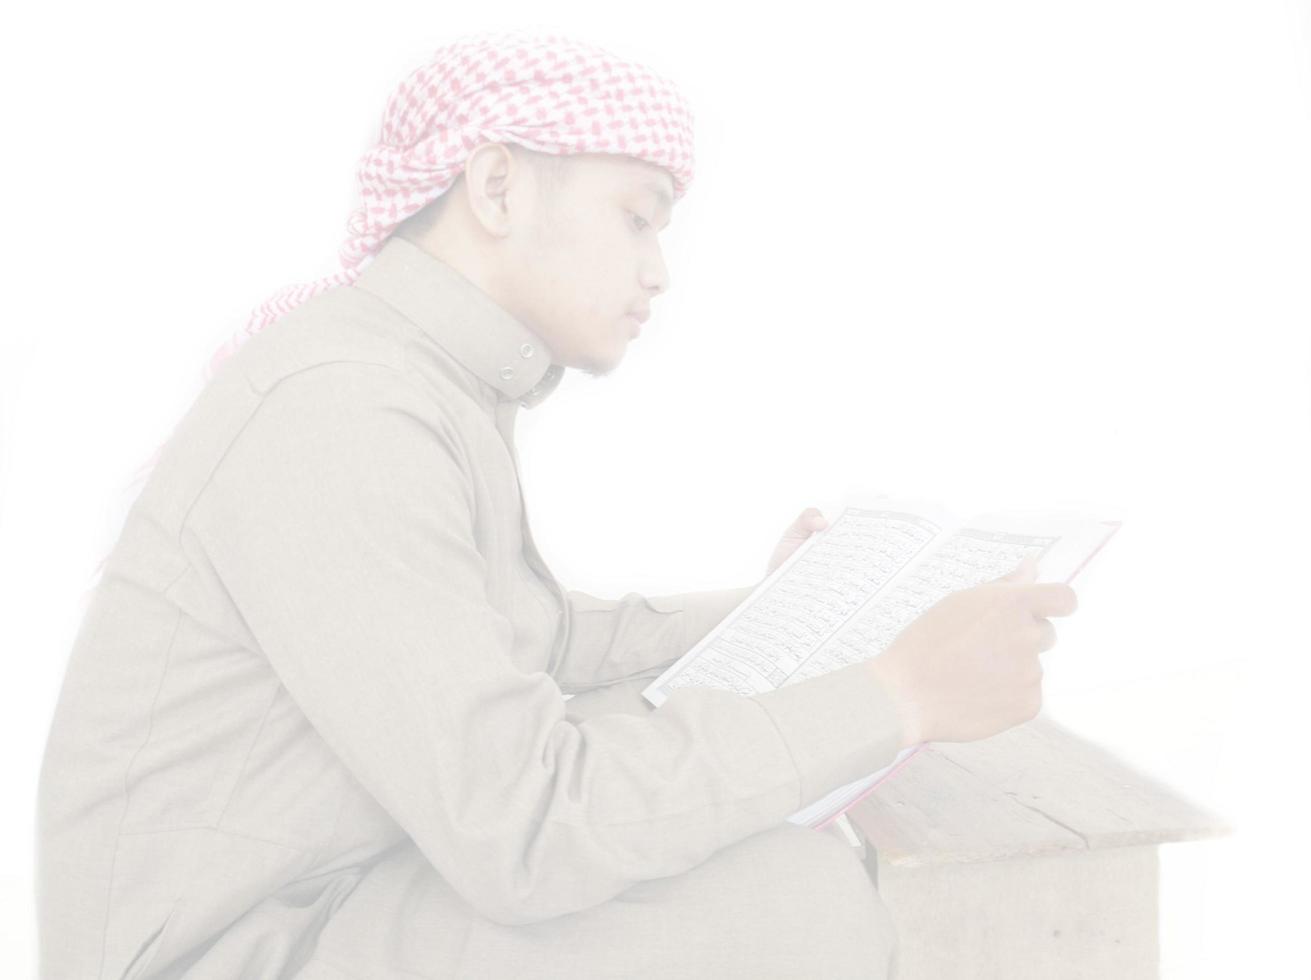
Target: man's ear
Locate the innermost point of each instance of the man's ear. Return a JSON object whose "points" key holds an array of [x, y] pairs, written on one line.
{"points": [[494, 183]]}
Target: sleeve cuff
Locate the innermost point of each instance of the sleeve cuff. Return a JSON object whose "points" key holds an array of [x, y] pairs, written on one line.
{"points": [[838, 728]]}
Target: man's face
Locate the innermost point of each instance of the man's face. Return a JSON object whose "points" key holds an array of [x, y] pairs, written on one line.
{"points": [[590, 260]]}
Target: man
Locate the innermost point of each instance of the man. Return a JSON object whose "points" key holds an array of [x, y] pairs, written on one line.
{"points": [[313, 725]]}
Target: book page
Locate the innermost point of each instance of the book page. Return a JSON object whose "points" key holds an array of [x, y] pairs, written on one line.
{"points": [[963, 558], [847, 592], [771, 636], [1070, 542], [985, 549]]}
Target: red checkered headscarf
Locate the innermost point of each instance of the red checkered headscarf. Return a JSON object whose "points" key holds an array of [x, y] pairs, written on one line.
{"points": [[544, 92]]}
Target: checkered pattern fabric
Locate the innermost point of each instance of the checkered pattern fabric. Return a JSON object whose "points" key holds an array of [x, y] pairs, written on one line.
{"points": [[544, 92]]}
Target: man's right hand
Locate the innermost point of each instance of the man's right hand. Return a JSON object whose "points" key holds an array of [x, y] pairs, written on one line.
{"points": [[968, 667]]}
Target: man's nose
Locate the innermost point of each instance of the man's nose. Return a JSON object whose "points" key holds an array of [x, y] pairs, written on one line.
{"points": [[655, 275]]}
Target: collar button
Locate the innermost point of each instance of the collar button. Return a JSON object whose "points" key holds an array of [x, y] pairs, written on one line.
{"points": [[507, 372], [526, 350]]}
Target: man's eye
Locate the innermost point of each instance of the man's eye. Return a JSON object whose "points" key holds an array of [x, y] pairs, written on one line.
{"points": [[642, 223]]}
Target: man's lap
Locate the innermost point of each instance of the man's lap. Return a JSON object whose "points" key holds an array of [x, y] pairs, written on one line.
{"points": [[787, 902]]}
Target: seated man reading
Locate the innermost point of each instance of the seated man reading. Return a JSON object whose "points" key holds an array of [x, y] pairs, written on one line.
{"points": [[314, 721]]}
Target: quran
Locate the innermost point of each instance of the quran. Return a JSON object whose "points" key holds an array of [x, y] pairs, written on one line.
{"points": [[847, 591]]}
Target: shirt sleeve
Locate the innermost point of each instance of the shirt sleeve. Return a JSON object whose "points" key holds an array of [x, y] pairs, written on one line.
{"points": [[341, 524], [620, 639]]}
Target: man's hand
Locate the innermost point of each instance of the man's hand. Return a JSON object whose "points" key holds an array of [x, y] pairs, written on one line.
{"points": [[968, 667], [807, 523]]}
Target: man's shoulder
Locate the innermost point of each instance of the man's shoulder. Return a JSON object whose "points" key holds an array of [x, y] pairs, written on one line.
{"points": [[345, 331], [340, 326], [339, 362]]}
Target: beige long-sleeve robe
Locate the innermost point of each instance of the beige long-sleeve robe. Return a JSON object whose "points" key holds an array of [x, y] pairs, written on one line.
{"points": [[325, 641]]}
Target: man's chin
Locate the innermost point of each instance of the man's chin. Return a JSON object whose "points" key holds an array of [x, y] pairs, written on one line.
{"points": [[598, 367]]}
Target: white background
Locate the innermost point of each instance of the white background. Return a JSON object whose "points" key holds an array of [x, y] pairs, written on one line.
{"points": [[1000, 254]]}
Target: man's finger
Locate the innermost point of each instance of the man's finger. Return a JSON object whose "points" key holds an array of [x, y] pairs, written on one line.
{"points": [[1050, 599], [1026, 571], [807, 522], [1046, 635]]}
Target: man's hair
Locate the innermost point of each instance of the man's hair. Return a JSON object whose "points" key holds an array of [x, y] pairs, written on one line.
{"points": [[550, 169]]}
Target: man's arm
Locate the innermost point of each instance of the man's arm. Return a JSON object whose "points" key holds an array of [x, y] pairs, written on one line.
{"points": [[640, 636], [612, 640], [340, 522]]}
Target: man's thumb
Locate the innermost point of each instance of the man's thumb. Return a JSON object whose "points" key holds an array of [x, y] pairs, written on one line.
{"points": [[1025, 573]]}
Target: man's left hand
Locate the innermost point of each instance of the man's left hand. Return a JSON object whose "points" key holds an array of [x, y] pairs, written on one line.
{"points": [[807, 523]]}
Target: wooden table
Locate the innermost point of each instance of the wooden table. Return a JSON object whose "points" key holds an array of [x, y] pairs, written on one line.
{"points": [[1031, 855]]}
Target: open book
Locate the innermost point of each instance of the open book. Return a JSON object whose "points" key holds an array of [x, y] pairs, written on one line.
{"points": [[850, 589]]}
